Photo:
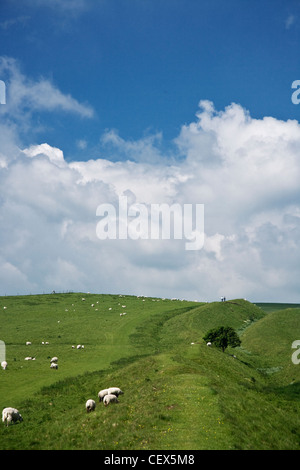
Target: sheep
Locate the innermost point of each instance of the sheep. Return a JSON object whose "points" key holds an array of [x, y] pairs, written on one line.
{"points": [[28, 343], [54, 359], [11, 415], [3, 365], [78, 346], [102, 394], [110, 398], [53, 365], [115, 391], [90, 405], [208, 344]]}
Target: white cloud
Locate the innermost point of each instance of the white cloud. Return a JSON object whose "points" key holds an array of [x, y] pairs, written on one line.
{"points": [[81, 144], [290, 20], [55, 155], [25, 96], [143, 150], [245, 171]]}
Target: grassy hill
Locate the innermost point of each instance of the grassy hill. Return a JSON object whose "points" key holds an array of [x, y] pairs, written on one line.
{"points": [[178, 393]]}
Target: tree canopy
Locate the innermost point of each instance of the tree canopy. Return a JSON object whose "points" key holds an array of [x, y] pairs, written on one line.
{"points": [[222, 337]]}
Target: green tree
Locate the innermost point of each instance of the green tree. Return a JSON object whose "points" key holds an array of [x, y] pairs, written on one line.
{"points": [[222, 337]]}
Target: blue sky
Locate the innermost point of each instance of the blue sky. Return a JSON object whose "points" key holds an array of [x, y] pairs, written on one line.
{"points": [[143, 66], [175, 102]]}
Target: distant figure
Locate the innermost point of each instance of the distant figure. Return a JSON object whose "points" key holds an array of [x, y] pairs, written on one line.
{"points": [[223, 299]]}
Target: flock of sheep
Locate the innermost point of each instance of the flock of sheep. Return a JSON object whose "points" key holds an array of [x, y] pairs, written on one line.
{"points": [[109, 395]]}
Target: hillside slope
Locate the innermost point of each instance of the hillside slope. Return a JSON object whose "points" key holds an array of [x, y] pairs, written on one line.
{"points": [[178, 393], [270, 341]]}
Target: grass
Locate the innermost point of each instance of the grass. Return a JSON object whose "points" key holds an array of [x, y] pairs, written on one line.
{"points": [[177, 395]]}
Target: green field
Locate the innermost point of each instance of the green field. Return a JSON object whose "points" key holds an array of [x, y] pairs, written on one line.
{"points": [[178, 393]]}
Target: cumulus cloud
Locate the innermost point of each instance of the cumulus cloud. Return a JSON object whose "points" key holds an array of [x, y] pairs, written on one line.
{"points": [[245, 171]]}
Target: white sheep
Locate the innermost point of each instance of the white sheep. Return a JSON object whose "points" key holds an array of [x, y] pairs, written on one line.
{"points": [[53, 365], [102, 394], [28, 343], [115, 391], [110, 398], [78, 346], [11, 415], [90, 405], [208, 344], [3, 365], [54, 359]]}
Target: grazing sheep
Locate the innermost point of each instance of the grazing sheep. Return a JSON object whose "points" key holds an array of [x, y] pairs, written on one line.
{"points": [[28, 343], [53, 365], [90, 405], [29, 358], [115, 391], [11, 415], [208, 344], [54, 359], [102, 394], [3, 365], [110, 398], [78, 346]]}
